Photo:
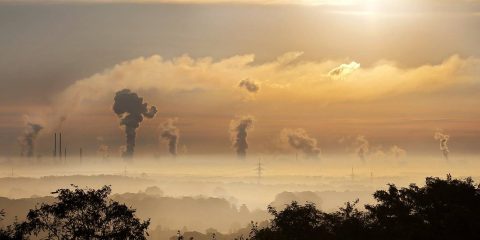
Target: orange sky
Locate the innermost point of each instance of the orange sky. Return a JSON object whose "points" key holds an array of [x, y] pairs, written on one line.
{"points": [[393, 72]]}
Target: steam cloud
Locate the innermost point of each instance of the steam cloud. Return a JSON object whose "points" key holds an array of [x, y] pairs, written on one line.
{"points": [[249, 85], [131, 109], [300, 140], [170, 133], [361, 147], [239, 128], [344, 69], [27, 140], [443, 138]]}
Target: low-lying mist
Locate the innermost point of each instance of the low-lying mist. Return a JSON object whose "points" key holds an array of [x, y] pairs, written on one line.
{"points": [[224, 193]]}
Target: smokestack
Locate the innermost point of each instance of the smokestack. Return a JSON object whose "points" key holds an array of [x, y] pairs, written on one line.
{"points": [[131, 109], [60, 147], [55, 145], [65, 152], [81, 153]]}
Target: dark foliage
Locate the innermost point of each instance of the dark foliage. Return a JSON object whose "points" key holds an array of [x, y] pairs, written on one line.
{"points": [[442, 209], [81, 214]]}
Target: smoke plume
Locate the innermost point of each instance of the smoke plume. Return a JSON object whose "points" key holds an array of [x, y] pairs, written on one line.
{"points": [[170, 133], [361, 147], [238, 129], [27, 140], [397, 152], [443, 139], [249, 85], [300, 140], [131, 109]]}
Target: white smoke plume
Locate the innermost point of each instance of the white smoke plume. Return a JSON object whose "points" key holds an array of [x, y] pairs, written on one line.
{"points": [[443, 140], [362, 147], [27, 140]]}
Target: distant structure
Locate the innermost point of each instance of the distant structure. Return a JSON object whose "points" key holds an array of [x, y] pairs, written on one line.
{"points": [[81, 154], [57, 150], [259, 171], [55, 145]]}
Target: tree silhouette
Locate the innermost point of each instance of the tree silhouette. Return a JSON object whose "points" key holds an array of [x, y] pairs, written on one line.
{"points": [[84, 214], [442, 209]]}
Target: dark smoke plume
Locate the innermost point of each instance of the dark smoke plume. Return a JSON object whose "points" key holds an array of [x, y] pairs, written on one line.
{"points": [[27, 140], [131, 109], [239, 128], [170, 133], [362, 147], [443, 139], [249, 85], [300, 140]]}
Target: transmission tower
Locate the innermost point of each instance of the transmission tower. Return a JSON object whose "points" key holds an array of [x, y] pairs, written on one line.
{"points": [[259, 171]]}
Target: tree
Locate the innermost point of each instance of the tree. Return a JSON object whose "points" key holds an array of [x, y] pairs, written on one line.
{"points": [[442, 209], [84, 214]]}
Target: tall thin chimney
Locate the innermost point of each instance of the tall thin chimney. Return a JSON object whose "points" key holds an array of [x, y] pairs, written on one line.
{"points": [[60, 146], [55, 148], [81, 153], [65, 152]]}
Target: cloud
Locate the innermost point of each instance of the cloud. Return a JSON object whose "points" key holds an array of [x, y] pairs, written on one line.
{"points": [[249, 85], [285, 80], [344, 70]]}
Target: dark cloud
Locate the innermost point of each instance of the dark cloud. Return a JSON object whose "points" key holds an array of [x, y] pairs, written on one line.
{"points": [[131, 109], [249, 85]]}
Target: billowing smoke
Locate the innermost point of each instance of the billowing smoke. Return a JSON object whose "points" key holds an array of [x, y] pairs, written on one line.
{"points": [[238, 129], [443, 139], [249, 85], [344, 69], [300, 140], [27, 140], [361, 147], [170, 133], [131, 109]]}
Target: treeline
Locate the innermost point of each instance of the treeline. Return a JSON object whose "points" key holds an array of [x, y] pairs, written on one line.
{"points": [[441, 209]]}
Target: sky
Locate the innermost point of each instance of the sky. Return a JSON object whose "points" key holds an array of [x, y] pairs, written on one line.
{"points": [[314, 77]]}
